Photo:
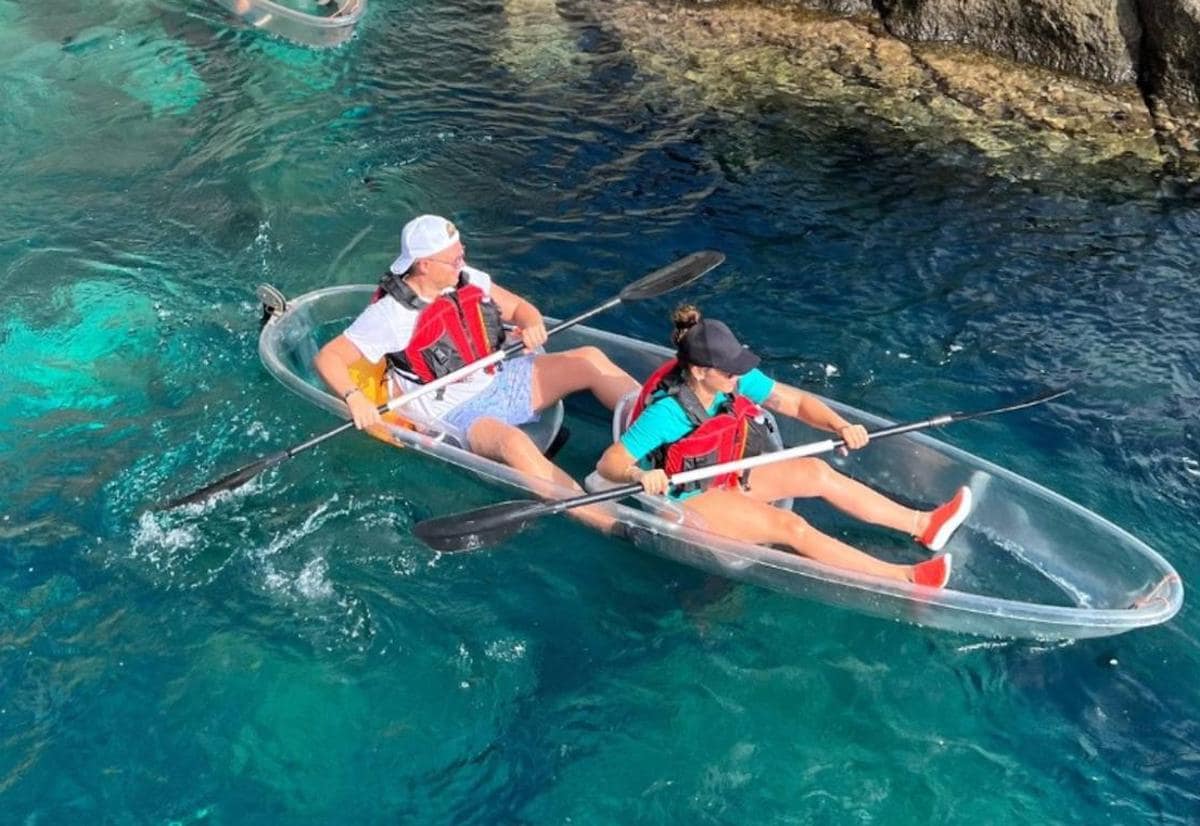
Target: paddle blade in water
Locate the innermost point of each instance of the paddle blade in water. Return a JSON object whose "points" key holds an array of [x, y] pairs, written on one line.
{"points": [[478, 528], [673, 276], [231, 481]]}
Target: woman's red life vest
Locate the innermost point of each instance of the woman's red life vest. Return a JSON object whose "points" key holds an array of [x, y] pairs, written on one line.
{"points": [[739, 429], [452, 331]]}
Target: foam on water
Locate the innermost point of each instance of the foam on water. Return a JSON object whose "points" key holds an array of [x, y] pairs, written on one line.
{"points": [[311, 524], [505, 650], [154, 541]]}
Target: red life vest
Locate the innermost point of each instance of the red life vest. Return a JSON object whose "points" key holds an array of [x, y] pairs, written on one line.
{"points": [[452, 331], [739, 429]]}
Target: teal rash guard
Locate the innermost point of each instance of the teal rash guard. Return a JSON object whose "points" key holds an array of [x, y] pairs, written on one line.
{"points": [[664, 421]]}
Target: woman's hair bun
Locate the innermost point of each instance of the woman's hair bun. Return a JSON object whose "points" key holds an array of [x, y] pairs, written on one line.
{"points": [[685, 317]]}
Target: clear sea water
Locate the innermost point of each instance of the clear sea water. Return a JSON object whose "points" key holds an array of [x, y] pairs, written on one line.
{"points": [[292, 655]]}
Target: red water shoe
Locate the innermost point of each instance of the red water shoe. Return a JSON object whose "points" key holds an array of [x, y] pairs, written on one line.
{"points": [[946, 519], [933, 572]]}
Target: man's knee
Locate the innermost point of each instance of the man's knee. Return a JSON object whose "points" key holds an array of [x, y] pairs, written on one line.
{"points": [[593, 356], [515, 448], [485, 436]]}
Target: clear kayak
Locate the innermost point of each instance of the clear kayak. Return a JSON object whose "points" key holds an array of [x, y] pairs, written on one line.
{"points": [[303, 21], [1028, 563]]}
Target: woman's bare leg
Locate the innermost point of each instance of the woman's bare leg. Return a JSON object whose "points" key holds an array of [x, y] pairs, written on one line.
{"points": [[556, 375], [734, 514], [810, 477]]}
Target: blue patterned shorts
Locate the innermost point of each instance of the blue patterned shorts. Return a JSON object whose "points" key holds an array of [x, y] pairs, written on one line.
{"points": [[508, 398]]}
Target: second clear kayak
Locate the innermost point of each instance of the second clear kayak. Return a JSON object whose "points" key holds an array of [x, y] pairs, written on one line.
{"points": [[309, 22]]}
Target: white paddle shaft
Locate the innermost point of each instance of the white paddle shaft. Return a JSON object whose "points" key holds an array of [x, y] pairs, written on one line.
{"points": [[449, 378], [798, 452]]}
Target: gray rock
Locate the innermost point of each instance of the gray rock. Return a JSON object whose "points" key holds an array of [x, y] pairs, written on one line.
{"points": [[1171, 59], [843, 8], [1170, 81], [1152, 43], [847, 7], [1093, 39]]}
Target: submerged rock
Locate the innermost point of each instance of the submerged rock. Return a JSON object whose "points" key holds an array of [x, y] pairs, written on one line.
{"points": [[537, 43], [1153, 45], [1027, 120]]}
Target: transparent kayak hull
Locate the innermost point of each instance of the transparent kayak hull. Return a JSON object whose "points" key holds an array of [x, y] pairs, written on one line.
{"points": [[1028, 562], [319, 30]]}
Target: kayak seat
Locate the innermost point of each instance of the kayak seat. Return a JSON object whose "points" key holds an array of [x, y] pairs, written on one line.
{"points": [[560, 441]]}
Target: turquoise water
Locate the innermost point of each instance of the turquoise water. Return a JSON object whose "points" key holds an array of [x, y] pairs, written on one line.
{"points": [[292, 655]]}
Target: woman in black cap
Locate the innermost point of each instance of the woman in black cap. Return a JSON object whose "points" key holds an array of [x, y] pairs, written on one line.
{"points": [[702, 408]]}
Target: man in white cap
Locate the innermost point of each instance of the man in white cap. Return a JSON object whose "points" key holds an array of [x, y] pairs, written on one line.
{"points": [[431, 315]]}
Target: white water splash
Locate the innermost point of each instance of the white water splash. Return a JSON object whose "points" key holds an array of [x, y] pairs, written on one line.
{"points": [[310, 584], [312, 523], [983, 646], [505, 650], [313, 580], [157, 540], [258, 430]]}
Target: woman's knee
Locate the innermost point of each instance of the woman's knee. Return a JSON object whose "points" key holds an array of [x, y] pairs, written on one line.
{"points": [[793, 529], [817, 473], [812, 468]]}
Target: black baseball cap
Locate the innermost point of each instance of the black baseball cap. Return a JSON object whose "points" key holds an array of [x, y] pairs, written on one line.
{"points": [[711, 344]]}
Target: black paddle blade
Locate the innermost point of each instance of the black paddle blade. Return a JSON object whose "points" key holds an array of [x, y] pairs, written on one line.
{"points": [[673, 276], [478, 528], [231, 481]]}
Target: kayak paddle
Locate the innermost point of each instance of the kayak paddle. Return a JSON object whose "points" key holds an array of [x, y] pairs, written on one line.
{"points": [[671, 277], [469, 530]]}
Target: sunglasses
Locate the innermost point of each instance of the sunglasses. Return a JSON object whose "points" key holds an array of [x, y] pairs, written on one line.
{"points": [[455, 262]]}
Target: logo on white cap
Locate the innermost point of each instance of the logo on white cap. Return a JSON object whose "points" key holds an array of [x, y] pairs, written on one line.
{"points": [[422, 237]]}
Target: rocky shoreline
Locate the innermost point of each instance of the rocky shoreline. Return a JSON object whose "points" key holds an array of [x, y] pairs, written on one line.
{"points": [[1072, 89]]}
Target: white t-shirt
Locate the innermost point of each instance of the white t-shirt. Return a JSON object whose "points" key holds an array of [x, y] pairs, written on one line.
{"points": [[387, 327]]}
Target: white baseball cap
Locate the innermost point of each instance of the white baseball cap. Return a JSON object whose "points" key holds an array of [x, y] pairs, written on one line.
{"points": [[422, 237]]}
